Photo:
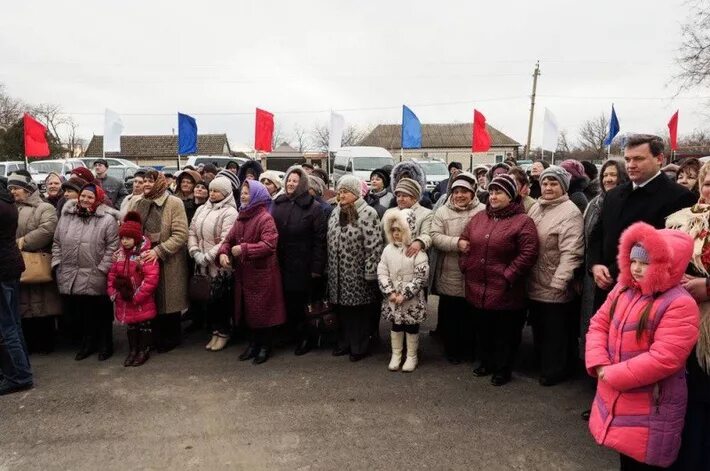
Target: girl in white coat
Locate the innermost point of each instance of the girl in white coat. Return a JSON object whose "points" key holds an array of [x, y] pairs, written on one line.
{"points": [[402, 280]]}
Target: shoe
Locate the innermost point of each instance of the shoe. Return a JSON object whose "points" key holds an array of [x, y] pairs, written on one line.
{"points": [[499, 379], [84, 353], [549, 381], [212, 341], [304, 347], [357, 356], [410, 364], [586, 414], [220, 343], [141, 357], [481, 371], [144, 341], [249, 353], [129, 359], [132, 335], [397, 341], [262, 356], [105, 355], [8, 388], [339, 352]]}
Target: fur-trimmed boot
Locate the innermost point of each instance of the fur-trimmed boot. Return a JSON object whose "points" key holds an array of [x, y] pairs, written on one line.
{"points": [[397, 341], [410, 363]]}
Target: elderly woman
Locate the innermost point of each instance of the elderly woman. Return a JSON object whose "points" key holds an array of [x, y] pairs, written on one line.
{"points": [[498, 248], [250, 248], [354, 249], [270, 179], [39, 303], [446, 280], [84, 243], [301, 250], [53, 184], [165, 225], [553, 313], [185, 191], [209, 227]]}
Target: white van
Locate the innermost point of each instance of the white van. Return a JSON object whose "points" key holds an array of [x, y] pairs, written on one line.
{"points": [[360, 161]]}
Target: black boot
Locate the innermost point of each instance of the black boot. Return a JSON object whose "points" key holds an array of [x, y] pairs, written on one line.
{"points": [[262, 356], [250, 352], [132, 335], [304, 346], [145, 339]]}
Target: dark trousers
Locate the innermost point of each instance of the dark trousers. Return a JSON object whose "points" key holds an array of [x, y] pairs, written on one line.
{"points": [[95, 321], [554, 326], [295, 303], [40, 333], [166, 331], [499, 335], [600, 296], [218, 316], [14, 359], [457, 326], [354, 325], [629, 464]]}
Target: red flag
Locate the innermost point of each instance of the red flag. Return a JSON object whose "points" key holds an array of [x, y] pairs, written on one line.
{"points": [[673, 129], [264, 132], [35, 138], [481, 140]]}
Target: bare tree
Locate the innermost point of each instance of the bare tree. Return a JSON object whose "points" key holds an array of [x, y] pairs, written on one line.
{"points": [[694, 54], [74, 144], [279, 137], [10, 109], [53, 118], [300, 138], [592, 135], [352, 135]]}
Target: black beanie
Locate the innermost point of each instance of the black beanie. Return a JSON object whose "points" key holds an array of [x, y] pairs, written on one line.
{"points": [[384, 175]]}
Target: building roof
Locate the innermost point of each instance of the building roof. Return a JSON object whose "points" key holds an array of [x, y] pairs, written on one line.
{"points": [[456, 135], [285, 151], [141, 147]]}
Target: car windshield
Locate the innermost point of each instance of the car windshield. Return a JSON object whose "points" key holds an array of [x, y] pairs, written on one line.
{"points": [[46, 167], [370, 163], [434, 168]]}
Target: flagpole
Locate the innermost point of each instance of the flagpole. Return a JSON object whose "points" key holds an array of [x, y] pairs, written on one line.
{"points": [[401, 154], [553, 157]]}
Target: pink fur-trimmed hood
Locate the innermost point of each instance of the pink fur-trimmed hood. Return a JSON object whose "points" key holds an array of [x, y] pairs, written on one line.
{"points": [[669, 251]]}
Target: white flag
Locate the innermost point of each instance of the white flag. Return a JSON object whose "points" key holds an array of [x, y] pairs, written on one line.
{"points": [[113, 127], [335, 135], [550, 132]]}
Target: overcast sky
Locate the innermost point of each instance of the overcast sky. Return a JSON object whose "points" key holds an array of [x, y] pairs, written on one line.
{"points": [[218, 60]]}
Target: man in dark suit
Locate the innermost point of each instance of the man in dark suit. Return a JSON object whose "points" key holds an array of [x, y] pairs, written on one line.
{"points": [[650, 196]]}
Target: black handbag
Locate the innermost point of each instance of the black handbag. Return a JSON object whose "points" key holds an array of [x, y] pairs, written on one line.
{"points": [[199, 289], [319, 312]]}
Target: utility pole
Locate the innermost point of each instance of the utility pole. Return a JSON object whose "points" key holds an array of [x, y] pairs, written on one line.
{"points": [[536, 74]]}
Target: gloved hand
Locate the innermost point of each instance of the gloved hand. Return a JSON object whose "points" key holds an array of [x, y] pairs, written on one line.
{"points": [[200, 259]]}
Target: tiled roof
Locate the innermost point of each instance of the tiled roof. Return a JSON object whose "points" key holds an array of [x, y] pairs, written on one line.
{"points": [[158, 146], [456, 135]]}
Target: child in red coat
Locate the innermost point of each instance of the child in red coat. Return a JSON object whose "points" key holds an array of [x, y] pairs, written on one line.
{"points": [[131, 284]]}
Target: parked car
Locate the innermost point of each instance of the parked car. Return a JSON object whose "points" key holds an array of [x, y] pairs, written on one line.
{"points": [[112, 162], [218, 160], [360, 161], [43, 167], [9, 166], [435, 171]]}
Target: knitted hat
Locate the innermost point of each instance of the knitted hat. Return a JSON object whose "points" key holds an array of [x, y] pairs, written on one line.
{"points": [[574, 167], [350, 183], [233, 179], [640, 254], [464, 180], [273, 177], [383, 174], [84, 173], [316, 184], [131, 227], [409, 187], [21, 181], [222, 185], [505, 183], [75, 183], [559, 174], [495, 167]]}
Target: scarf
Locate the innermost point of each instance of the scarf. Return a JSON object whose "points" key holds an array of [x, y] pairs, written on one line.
{"points": [[159, 187], [511, 210], [348, 213]]}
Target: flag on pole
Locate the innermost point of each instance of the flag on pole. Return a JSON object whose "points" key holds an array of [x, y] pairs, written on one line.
{"points": [[113, 127], [673, 129], [187, 134], [480, 140], [35, 137], [613, 127], [335, 132], [550, 132], [411, 130], [264, 130]]}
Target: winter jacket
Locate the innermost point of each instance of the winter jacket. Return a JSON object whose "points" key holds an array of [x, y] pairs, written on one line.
{"points": [[354, 252], [82, 250], [504, 246], [11, 263], [36, 223], [404, 275], [639, 407], [208, 229], [258, 293], [423, 217], [114, 188], [576, 192], [448, 223], [381, 201], [142, 280], [302, 240], [560, 232]]}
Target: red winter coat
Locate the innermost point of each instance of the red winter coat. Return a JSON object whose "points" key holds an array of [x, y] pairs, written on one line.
{"points": [[258, 295], [144, 280], [639, 408], [504, 247]]}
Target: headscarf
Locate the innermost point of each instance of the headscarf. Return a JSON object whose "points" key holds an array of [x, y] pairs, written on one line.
{"points": [[159, 187], [99, 197], [258, 193]]}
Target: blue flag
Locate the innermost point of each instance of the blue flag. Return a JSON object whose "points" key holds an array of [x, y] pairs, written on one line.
{"points": [[187, 134], [613, 127], [411, 130]]}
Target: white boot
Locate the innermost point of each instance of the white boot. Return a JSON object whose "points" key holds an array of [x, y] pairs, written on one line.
{"points": [[412, 346], [397, 340]]}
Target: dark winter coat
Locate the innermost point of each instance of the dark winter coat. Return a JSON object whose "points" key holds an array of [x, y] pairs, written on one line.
{"points": [[576, 192], [504, 247], [380, 201], [114, 188], [258, 293], [11, 264]]}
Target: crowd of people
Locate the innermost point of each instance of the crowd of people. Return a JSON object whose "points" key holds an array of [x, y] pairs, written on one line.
{"points": [[616, 260]]}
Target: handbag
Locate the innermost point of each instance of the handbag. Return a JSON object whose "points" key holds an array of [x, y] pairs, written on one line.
{"points": [[319, 312], [38, 268], [199, 289]]}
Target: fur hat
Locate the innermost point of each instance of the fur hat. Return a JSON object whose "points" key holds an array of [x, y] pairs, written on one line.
{"points": [[252, 167], [316, 184], [410, 169], [350, 183], [559, 174], [273, 177], [506, 184], [402, 218], [222, 185], [409, 187], [132, 227], [383, 174]]}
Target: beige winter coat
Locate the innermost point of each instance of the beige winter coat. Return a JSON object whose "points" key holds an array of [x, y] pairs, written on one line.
{"points": [[35, 230], [560, 229], [446, 226], [422, 231], [209, 227]]}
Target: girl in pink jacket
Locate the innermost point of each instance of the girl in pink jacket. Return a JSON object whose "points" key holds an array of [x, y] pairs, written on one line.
{"points": [[131, 285], [637, 345]]}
